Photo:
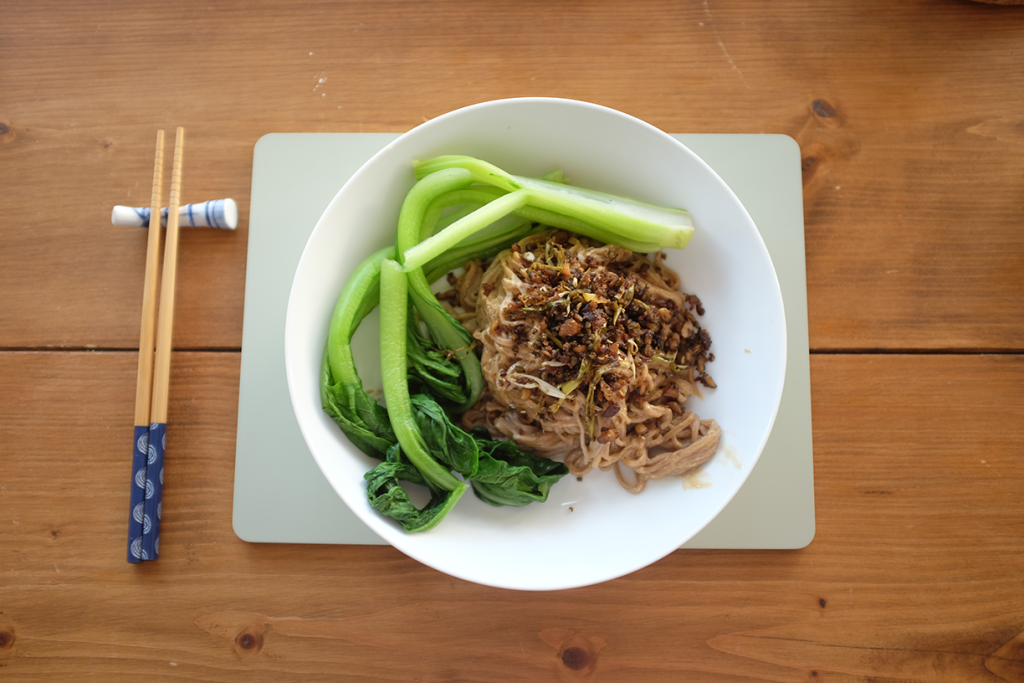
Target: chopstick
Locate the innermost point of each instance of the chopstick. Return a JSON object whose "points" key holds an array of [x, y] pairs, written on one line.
{"points": [[162, 363], [144, 383]]}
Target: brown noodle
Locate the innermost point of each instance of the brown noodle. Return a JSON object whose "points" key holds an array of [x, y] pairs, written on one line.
{"points": [[589, 352]]}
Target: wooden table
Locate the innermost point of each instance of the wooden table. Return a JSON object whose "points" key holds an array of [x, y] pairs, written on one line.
{"points": [[909, 118]]}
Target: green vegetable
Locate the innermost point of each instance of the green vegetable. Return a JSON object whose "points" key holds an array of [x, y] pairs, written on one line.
{"points": [[445, 330], [394, 304], [479, 249], [369, 425], [470, 198], [477, 196], [386, 495], [622, 216], [449, 444], [635, 225], [506, 476], [416, 256], [434, 368], [363, 420], [509, 476], [425, 374], [359, 296]]}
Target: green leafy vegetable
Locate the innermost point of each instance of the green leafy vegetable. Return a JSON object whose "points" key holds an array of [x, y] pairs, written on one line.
{"points": [[509, 476], [341, 390], [449, 444], [433, 368], [426, 374], [368, 425], [446, 332], [386, 495], [361, 418], [360, 295], [394, 304]]}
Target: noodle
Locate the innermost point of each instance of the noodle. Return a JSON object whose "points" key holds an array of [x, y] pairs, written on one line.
{"points": [[589, 352]]}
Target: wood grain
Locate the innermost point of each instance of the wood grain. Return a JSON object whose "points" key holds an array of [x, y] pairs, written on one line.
{"points": [[914, 574], [151, 281], [168, 287], [908, 116]]}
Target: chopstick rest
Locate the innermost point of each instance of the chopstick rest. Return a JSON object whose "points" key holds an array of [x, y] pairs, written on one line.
{"points": [[216, 213]]}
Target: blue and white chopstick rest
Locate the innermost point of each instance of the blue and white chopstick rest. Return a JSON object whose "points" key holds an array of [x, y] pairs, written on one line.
{"points": [[216, 213]]}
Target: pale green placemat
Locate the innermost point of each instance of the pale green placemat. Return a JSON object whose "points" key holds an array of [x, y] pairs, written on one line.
{"points": [[280, 494]]}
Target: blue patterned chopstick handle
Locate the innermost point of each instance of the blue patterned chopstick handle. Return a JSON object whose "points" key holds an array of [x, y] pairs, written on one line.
{"points": [[154, 490], [216, 213], [137, 499]]}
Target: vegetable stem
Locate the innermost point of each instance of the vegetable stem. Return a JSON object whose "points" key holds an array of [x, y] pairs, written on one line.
{"points": [[619, 218], [394, 309], [418, 201], [479, 249], [359, 296], [445, 331], [417, 256]]}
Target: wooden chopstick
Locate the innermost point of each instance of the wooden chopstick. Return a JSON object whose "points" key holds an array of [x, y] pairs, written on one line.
{"points": [[162, 364], [144, 384]]}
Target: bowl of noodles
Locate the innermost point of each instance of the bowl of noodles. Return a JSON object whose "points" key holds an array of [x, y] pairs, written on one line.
{"points": [[654, 377]]}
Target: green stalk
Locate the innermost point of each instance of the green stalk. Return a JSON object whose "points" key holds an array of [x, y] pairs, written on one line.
{"points": [[562, 222], [432, 220], [418, 202], [361, 293], [417, 256], [444, 221], [624, 218], [359, 296], [447, 334], [445, 331], [481, 171], [394, 308], [480, 249], [481, 195]]}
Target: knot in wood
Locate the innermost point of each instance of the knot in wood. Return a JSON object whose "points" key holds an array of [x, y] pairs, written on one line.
{"points": [[248, 642], [575, 658], [823, 109]]}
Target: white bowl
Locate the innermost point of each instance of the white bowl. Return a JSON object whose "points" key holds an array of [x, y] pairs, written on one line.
{"points": [[592, 530]]}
